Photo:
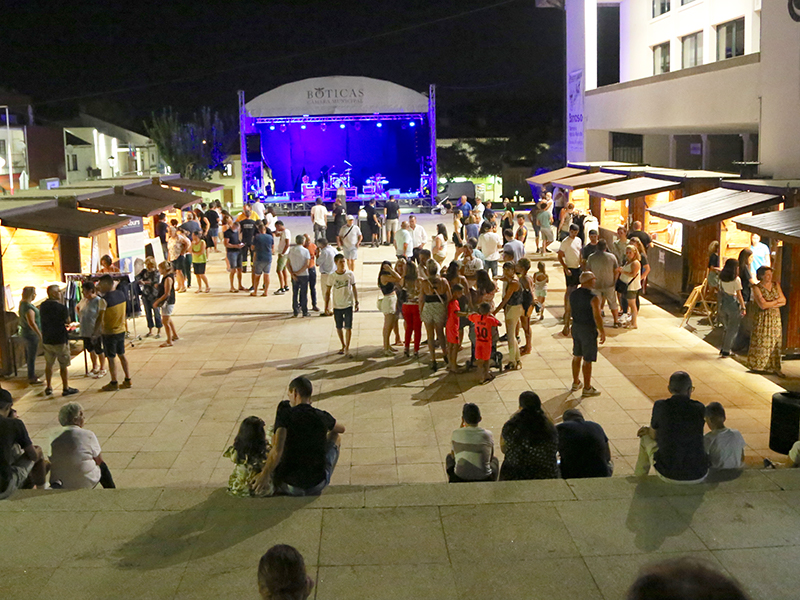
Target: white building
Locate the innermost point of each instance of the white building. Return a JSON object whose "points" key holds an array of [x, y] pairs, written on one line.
{"points": [[94, 148], [699, 84]]}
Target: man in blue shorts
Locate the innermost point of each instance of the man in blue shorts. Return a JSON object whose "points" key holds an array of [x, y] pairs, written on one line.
{"points": [[263, 243]]}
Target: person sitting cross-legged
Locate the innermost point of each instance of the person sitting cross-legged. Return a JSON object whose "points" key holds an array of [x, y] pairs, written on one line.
{"points": [[305, 446], [472, 457], [75, 457], [583, 447], [673, 443]]}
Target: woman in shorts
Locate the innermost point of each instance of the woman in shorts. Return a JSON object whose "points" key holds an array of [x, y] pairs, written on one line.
{"points": [[166, 301], [199, 260], [388, 280], [433, 299]]}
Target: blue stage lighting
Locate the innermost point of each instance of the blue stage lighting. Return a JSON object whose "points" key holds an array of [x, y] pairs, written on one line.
{"points": [[412, 124], [380, 125], [341, 126], [302, 126], [272, 127]]}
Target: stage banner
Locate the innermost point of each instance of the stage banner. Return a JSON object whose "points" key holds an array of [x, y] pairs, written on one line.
{"points": [[575, 111], [131, 239]]}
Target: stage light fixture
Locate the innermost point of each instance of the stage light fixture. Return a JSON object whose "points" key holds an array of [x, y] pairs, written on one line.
{"points": [[283, 128], [380, 124], [412, 124], [341, 126], [272, 127], [302, 126], [323, 127]]}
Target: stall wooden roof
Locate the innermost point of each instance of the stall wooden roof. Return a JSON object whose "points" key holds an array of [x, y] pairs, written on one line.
{"points": [[192, 184], [126, 204], [712, 206], [781, 224], [12, 205], [599, 164], [180, 200], [764, 186], [684, 175], [626, 169], [632, 188], [580, 182], [550, 176], [63, 221]]}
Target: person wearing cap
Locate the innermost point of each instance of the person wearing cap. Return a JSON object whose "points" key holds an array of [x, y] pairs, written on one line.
{"points": [[582, 447], [349, 239], [587, 323], [21, 462], [472, 457]]}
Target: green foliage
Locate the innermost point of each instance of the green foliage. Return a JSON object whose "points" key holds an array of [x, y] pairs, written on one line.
{"points": [[193, 148]]}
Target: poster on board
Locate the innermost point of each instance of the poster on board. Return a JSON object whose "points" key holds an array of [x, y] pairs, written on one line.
{"points": [[131, 239], [575, 111]]}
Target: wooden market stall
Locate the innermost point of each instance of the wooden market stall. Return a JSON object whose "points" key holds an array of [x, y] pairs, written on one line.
{"points": [[623, 202], [782, 227], [575, 187], [708, 217], [539, 182]]}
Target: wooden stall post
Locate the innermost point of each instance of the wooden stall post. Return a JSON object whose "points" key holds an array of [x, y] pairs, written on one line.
{"points": [[695, 253], [596, 207], [790, 284]]}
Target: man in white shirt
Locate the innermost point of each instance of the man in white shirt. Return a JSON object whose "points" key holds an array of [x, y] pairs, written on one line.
{"points": [[516, 247], [725, 447], [258, 210], [419, 236], [569, 256], [472, 457], [283, 243], [479, 208], [75, 456], [345, 301], [349, 240], [299, 261], [490, 244], [469, 264], [326, 266], [319, 219], [404, 242]]}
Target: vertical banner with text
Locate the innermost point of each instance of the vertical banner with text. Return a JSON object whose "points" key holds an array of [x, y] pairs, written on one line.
{"points": [[575, 111]]}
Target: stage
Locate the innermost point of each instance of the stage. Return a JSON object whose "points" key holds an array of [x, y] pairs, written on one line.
{"points": [[351, 138]]}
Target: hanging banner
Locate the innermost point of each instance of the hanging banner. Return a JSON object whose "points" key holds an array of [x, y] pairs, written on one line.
{"points": [[575, 111], [131, 239]]}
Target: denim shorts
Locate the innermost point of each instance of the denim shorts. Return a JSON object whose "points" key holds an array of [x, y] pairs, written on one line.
{"points": [[234, 259]]}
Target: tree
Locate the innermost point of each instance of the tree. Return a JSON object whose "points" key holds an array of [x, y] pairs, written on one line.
{"points": [[455, 161], [194, 148]]}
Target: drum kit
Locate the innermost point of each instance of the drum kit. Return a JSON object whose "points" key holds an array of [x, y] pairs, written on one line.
{"points": [[373, 185]]}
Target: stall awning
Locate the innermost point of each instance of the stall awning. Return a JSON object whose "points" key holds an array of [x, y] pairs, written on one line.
{"points": [[192, 184], [550, 176], [179, 200], [781, 224], [11, 208], [686, 175], [632, 188], [127, 204], [63, 221], [712, 206], [580, 182], [764, 186]]}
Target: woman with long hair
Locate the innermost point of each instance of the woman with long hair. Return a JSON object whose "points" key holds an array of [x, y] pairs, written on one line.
{"points": [[731, 306], [388, 280], [199, 260], [631, 277], [529, 442], [148, 279], [411, 316], [526, 282], [712, 276], [433, 299], [767, 337], [165, 301], [440, 244], [248, 454], [643, 262], [512, 306]]}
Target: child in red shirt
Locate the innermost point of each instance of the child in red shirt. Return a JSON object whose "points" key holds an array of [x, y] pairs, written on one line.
{"points": [[452, 329], [484, 322]]}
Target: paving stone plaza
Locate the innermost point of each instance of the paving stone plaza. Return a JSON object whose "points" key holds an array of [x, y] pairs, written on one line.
{"points": [[389, 526]]}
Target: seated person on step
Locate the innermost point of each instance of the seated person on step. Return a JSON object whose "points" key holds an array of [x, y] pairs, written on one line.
{"points": [[725, 447], [472, 457]]}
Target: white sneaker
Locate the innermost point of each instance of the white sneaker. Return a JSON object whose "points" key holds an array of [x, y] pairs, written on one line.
{"points": [[99, 374]]}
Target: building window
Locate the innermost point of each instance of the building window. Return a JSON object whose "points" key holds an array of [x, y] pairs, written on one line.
{"points": [[72, 162], [730, 39], [627, 147], [692, 50], [661, 58], [685, 2], [660, 7], [228, 172], [3, 148]]}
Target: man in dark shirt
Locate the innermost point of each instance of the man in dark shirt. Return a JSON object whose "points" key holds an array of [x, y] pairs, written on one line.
{"points": [[233, 249], [373, 226], [20, 460], [673, 443], [642, 236], [55, 342], [213, 226], [247, 227], [263, 243], [583, 447], [590, 248], [305, 445], [391, 214], [161, 231], [586, 324]]}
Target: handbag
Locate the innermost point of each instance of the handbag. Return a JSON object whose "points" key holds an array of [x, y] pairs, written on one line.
{"points": [[621, 287]]}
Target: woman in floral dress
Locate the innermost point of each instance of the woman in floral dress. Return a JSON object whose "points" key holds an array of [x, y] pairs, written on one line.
{"points": [[766, 339], [529, 442]]}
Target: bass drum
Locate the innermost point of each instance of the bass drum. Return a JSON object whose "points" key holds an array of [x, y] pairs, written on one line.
{"points": [[337, 182]]}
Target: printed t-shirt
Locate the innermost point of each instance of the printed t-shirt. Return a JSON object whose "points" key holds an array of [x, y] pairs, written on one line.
{"points": [[483, 334], [247, 227], [342, 289], [114, 316], [452, 321]]}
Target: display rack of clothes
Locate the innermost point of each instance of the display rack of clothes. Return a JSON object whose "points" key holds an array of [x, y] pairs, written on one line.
{"points": [[125, 282]]}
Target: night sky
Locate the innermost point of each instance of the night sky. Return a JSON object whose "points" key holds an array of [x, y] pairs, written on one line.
{"points": [[498, 69]]}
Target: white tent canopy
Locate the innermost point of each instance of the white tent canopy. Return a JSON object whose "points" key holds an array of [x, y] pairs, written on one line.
{"points": [[338, 95]]}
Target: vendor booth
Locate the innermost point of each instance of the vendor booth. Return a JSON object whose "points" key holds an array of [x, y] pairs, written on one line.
{"points": [[346, 137], [575, 187], [708, 216], [538, 183]]}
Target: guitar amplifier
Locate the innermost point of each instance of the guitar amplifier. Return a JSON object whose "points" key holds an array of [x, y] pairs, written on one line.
{"points": [[369, 189]]}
